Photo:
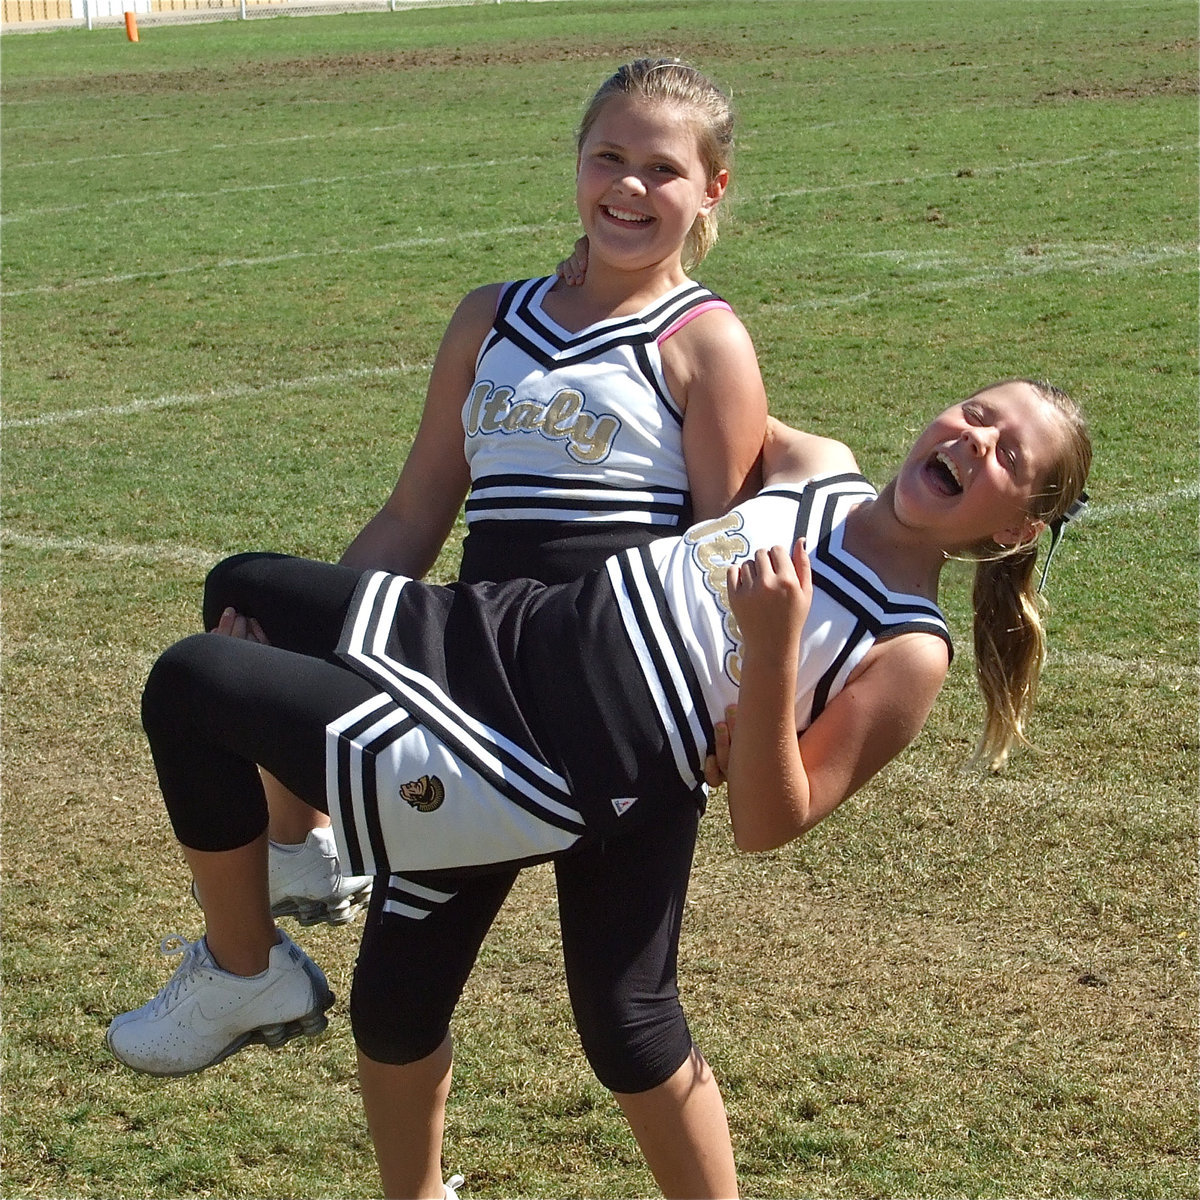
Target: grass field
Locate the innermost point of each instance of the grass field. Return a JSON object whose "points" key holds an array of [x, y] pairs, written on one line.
{"points": [[228, 253]]}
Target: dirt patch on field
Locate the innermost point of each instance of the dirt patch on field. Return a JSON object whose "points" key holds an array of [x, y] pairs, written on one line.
{"points": [[1171, 85], [772, 59], [351, 66], [515, 55]]}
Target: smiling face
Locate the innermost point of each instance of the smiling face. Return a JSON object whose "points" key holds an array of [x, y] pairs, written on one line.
{"points": [[641, 182], [974, 471]]}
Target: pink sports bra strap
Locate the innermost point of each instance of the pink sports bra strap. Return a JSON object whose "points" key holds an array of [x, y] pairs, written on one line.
{"points": [[691, 315]]}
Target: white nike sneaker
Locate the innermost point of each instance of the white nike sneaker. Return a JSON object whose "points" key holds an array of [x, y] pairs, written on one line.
{"points": [[307, 883], [205, 1014], [452, 1185]]}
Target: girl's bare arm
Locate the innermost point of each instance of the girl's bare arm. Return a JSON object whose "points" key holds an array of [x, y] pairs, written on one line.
{"points": [[408, 532], [781, 785]]}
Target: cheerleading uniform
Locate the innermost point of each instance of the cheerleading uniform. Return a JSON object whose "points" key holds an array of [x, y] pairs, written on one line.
{"points": [[575, 449], [460, 731], [589, 701]]}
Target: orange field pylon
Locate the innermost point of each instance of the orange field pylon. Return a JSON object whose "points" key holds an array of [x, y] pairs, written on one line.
{"points": [[131, 25]]}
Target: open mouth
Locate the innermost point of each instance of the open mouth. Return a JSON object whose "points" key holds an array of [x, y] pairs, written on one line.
{"points": [[943, 471]]}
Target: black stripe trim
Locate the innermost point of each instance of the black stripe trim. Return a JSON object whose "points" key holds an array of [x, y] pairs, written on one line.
{"points": [[821, 691], [396, 891], [572, 504], [345, 774], [441, 724], [676, 702], [664, 397], [420, 695], [828, 568], [549, 347], [556, 484]]}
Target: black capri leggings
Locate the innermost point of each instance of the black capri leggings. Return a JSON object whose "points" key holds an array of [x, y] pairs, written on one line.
{"points": [[621, 903], [214, 707]]}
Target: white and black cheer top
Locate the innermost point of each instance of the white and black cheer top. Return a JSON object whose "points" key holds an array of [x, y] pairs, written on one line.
{"points": [[514, 719], [578, 427]]}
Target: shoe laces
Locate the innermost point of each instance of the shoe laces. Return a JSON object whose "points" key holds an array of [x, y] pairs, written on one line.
{"points": [[171, 946]]}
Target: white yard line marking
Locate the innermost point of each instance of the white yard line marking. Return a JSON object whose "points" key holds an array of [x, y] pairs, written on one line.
{"points": [[1095, 513], [409, 243], [432, 167], [179, 399], [1148, 670], [974, 172], [286, 139], [282, 140], [267, 260], [116, 551], [314, 181], [1018, 265]]}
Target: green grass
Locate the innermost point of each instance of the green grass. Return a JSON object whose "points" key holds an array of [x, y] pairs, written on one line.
{"points": [[229, 253]]}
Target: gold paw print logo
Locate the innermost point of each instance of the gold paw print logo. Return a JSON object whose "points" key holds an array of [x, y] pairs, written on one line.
{"points": [[424, 794]]}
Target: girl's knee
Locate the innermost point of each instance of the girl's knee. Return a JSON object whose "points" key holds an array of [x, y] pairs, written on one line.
{"points": [[390, 1032], [635, 1054], [221, 586], [171, 681]]}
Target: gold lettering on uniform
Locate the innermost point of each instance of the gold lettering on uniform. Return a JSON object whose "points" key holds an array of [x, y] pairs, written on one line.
{"points": [[593, 438], [478, 395], [589, 438], [525, 414], [717, 546], [495, 410], [561, 413]]}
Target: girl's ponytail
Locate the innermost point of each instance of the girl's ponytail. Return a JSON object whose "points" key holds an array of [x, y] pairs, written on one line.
{"points": [[1010, 648], [1009, 631]]}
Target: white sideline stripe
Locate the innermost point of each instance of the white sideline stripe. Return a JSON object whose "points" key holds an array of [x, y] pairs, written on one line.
{"points": [[1095, 513], [275, 141], [1019, 266], [314, 181], [998, 169], [216, 394], [1079, 252], [445, 239], [224, 264], [431, 167], [1150, 670], [1154, 670], [117, 551], [187, 554], [1146, 670]]}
